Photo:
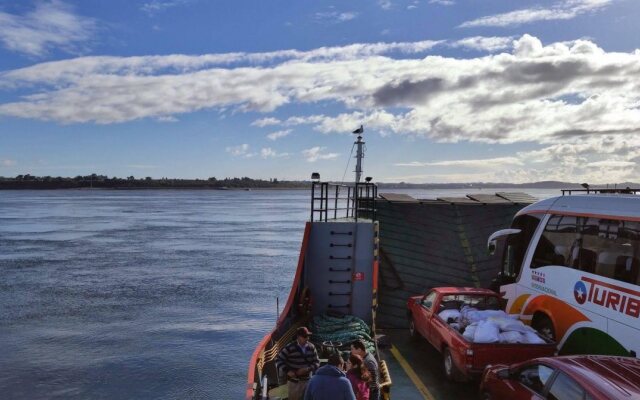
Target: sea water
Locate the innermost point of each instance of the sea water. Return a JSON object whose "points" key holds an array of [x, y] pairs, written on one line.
{"points": [[157, 294]]}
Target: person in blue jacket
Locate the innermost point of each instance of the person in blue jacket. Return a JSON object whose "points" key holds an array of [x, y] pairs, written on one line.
{"points": [[330, 382]]}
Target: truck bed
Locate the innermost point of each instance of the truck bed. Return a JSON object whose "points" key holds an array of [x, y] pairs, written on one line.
{"points": [[490, 353]]}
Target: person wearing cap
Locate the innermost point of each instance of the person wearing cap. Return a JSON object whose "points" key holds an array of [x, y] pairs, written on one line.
{"points": [[330, 382], [297, 361]]}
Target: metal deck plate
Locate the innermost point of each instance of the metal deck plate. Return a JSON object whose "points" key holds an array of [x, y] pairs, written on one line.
{"points": [[398, 197], [517, 197]]}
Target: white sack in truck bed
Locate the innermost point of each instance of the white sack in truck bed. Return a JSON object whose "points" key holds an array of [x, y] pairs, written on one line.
{"points": [[495, 326]]}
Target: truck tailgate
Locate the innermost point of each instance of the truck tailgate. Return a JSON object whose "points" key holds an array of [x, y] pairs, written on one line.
{"points": [[507, 353]]}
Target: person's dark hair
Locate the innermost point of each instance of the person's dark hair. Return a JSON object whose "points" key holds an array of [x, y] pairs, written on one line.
{"points": [[358, 367], [335, 359], [359, 344]]}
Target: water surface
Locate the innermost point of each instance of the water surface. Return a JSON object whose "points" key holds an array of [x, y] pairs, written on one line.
{"points": [[159, 294]]}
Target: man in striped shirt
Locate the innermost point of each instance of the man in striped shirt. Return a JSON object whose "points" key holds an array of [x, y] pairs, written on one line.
{"points": [[298, 360]]}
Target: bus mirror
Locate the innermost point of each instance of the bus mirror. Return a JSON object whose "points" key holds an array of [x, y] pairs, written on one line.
{"points": [[493, 239]]}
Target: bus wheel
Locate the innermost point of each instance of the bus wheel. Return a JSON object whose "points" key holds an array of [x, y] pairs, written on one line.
{"points": [[543, 324]]}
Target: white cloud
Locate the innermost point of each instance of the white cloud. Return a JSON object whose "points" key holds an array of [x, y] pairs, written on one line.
{"points": [[266, 122], [335, 16], [561, 96], [567, 9], [156, 6], [482, 43], [611, 164], [73, 70], [598, 160], [268, 152], [167, 118], [7, 162], [442, 178], [442, 2], [51, 25], [482, 163], [385, 4], [241, 150], [347, 16], [279, 134], [316, 153]]}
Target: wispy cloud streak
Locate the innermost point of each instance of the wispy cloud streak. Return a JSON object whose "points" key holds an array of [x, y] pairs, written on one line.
{"points": [[51, 25], [560, 11]]}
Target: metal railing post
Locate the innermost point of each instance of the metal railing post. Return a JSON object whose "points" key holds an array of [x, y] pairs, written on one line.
{"points": [[335, 208], [313, 198], [355, 208]]}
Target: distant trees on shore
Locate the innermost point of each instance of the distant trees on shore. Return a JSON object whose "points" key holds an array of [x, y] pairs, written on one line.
{"points": [[131, 182]]}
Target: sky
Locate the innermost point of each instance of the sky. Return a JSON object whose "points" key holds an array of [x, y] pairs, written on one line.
{"points": [[447, 90]]}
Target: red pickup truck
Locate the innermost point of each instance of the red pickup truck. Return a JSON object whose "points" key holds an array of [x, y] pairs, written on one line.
{"points": [[464, 359]]}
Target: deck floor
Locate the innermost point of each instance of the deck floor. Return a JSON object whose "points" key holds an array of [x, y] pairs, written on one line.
{"points": [[427, 364]]}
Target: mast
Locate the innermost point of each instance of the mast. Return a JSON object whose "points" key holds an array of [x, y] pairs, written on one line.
{"points": [[359, 152]]}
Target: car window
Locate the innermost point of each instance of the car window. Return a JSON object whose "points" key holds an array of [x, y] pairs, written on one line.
{"points": [[565, 388], [535, 377], [428, 301]]}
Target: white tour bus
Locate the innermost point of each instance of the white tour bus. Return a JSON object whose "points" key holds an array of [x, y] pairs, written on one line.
{"points": [[571, 269]]}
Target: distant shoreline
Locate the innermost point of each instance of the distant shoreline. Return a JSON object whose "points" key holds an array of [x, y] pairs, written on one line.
{"points": [[29, 182]]}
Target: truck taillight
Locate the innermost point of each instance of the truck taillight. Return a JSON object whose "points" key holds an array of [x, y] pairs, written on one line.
{"points": [[469, 358]]}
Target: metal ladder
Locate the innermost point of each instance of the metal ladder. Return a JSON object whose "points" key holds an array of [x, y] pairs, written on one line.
{"points": [[341, 269]]}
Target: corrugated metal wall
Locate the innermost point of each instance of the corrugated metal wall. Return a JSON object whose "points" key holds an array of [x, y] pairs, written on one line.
{"points": [[434, 243]]}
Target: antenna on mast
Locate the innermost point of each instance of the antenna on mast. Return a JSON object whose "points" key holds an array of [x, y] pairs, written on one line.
{"points": [[359, 152]]}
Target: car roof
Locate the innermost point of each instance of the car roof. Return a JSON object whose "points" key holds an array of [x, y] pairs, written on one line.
{"points": [[614, 377], [624, 206]]}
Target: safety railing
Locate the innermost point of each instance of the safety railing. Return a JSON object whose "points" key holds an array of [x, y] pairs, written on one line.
{"points": [[589, 190], [332, 201]]}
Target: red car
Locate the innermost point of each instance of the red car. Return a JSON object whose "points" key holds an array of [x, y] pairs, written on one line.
{"points": [[564, 378]]}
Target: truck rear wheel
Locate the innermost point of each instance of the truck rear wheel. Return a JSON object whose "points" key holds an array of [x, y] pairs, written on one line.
{"points": [[450, 370], [412, 329]]}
